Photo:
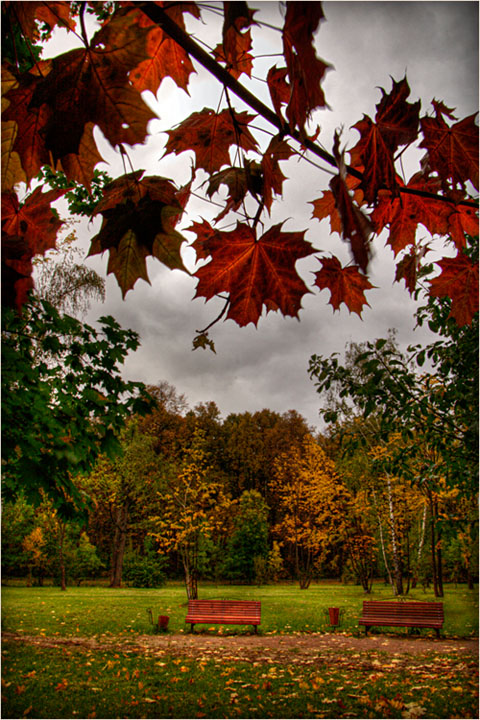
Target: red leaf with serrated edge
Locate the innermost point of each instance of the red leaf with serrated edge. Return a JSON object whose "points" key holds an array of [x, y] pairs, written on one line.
{"points": [[16, 271], [272, 175], [210, 135], [235, 48], [396, 123], [346, 284], [305, 70], [256, 273], [52, 13], [139, 218], [403, 215], [205, 234], [29, 142], [279, 88], [166, 57], [396, 118], [463, 221], [301, 22], [452, 150], [377, 157], [34, 220], [325, 206], [356, 226], [27, 230], [407, 268], [83, 86], [458, 281], [235, 179]]}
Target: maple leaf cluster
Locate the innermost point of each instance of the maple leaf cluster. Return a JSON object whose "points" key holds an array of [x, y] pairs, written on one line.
{"points": [[51, 112]]}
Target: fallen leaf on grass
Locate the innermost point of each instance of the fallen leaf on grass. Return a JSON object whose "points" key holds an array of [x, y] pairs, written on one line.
{"points": [[412, 710]]}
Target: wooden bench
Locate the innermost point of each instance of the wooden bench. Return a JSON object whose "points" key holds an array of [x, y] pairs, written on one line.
{"points": [[404, 614], [223, 612]]}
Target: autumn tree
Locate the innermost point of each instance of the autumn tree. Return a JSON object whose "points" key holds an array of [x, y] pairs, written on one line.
{"points": [[53, 108], [190, 510], [312, 504], [122, 491]]}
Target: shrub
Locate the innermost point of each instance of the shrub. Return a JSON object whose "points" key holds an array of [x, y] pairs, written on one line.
{"points": [[144, 572]]}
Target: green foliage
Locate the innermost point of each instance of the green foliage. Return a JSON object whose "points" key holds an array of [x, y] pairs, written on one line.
{"points": [[436, 406], [64, 400], [81, 201], [249, 541], [82, 560], [144, 572], [17, 523]]}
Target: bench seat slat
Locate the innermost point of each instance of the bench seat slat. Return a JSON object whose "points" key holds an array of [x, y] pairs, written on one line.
{"points": [[224, 612], [406, 614]]}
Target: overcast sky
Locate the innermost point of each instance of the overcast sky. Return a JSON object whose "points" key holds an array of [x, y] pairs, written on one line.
{"points": [[436, 45]]}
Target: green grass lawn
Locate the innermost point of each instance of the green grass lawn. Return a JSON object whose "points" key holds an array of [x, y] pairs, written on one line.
{"points": [[70, 682], [54, 683], [286, 609]]}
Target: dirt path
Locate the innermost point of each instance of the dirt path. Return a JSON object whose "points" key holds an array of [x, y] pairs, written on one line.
{"points": [[302, 649]]}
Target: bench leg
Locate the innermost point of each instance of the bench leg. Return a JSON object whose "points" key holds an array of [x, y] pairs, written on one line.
{"points": [[191, 627], [437, 630], [255, 627]]}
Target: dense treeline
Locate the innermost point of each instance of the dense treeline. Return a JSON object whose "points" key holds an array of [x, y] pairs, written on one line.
{"points": [[253, 497]]}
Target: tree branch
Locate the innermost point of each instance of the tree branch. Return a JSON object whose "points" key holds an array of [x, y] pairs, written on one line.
{"points": [[161, 18]]}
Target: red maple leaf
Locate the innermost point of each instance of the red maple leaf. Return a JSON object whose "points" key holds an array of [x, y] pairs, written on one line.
{"points": [[452, 150], [458, 281], [396, 123], [462, 221], [346, 284], [27, 230], [404, 214], [305, 70], [357, 227], [166, 58], [279, 88], [139, 218], [325, 206], [27, 13], [273, 177], [256, 273], [80, 89], [234, 51], [210, 135], [408, 267], [235, 179], [35, 220]]}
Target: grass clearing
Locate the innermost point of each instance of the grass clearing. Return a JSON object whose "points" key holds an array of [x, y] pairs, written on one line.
{"points": [[61, 683], [96, 611], [70, 682]]}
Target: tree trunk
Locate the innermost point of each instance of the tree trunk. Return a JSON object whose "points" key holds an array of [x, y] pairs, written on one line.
{"points": [[397, 561], [420, 548], [191, 581], [119, 541], [438, 548], [382, 541], [61, 557]]}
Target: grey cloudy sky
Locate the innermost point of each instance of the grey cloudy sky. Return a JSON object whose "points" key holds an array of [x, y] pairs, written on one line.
{"points": [[436, 45]]}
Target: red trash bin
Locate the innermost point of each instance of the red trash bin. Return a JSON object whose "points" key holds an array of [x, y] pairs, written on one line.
{"points": [[334, 614]]}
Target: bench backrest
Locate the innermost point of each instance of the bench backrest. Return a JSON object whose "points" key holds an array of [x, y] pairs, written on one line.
{"points": [[403, 610], [226, 608]]}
